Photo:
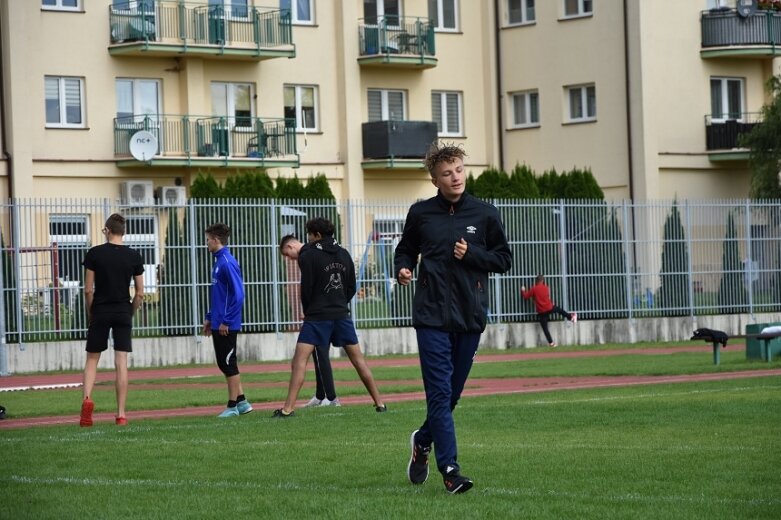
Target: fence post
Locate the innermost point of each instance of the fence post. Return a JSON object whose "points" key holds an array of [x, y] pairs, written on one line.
{"points": [[16, 237], [497, 284], [193, 269], [3, 344], [689, 256], [563, 256], [275, 282], [749, 276], [627, 266]]}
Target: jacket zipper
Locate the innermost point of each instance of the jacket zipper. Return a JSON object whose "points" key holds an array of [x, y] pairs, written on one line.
{"points": [[449, 293]]}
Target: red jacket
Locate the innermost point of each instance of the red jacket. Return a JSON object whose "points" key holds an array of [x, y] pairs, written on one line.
{"points": [[541, 295]]}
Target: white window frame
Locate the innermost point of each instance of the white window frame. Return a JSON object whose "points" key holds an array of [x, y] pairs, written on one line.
{"points": [[135, 83], [294, 13], [381, 16], [146, 241], [63, 108], [59, 7], [527, 101], [75, 241], [718, 4], [582, 12], [385, 106], [440, 16], [299, 113], [525, 20], [725, 108], [446, 132], [230, 98], [583, 92]]}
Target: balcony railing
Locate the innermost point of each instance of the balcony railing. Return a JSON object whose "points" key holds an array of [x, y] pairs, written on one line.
{"points": [[398, 38], [177, 27], [724, 134], [759, 33], [183, 139]]}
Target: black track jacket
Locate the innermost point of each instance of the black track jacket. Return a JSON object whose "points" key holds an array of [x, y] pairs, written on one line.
{"points": [[451, 294], [327, 280]]}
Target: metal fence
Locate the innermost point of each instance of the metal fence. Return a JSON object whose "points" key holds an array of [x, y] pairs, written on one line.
{"points": [[602, 259]]}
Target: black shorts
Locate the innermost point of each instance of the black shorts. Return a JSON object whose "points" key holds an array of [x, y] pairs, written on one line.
{"points": [[225, 352], [119, 323]]}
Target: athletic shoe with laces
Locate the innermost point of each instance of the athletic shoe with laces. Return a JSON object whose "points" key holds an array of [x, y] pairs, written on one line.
{"points": [[574, 317], [552, 345], [417, 469], [313, 402], [85, 419], [243, 407], [456, 482], [279, 413], [381, 409], [231, 411], [121, 421], [328, 402]]}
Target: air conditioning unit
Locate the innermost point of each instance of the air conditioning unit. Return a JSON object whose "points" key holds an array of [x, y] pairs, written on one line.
{"points": [[171, 195], [136, 193]]}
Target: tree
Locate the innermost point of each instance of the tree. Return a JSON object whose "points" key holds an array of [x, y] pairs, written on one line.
{"points": [[732, 293], [765, 146], [674, 289]]}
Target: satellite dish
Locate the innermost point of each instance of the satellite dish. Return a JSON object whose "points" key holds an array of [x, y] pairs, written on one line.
{"points": [[143, 146], [746, 7]]}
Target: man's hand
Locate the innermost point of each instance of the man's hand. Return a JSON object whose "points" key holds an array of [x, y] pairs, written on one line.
{"points": [[224, 329], [523, 288], [460, 249], [207, 328], [404, 276]]}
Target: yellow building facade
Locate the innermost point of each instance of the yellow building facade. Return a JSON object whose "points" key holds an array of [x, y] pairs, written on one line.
{"points": [[132, 99]]}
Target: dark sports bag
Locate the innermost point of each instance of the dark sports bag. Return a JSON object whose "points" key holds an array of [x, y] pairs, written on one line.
{"points": [[711, 336]]}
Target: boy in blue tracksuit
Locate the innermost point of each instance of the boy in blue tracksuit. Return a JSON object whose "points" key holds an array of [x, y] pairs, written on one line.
{"points": [[458, 240], [224, 315]]}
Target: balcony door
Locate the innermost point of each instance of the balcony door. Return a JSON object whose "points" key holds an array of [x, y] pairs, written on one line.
{"points": [[138, 106], [382, 12], [727, 99], [231, 112], [386, 105]]}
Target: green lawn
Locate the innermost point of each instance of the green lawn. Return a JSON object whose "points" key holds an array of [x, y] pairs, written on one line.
{"points": [[706, 450]]}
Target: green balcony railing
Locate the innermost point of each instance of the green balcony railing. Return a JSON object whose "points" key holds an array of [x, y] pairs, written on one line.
{"points": [[191, 136], [180, 23], [727, 28], [396, 35]]}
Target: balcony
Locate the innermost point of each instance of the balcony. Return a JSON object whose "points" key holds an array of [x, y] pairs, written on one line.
{"points": [[393, 41], [400, 145], [209, 141], [725, 33], [174, 29], [722, 136]]}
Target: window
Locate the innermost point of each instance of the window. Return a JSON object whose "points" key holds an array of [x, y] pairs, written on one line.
{"points": [[64, 102], [387, 105], [138, 100], [446, 112], [146, 6], [301, 11], [69, 232], [388, 11], [444, 13], [141, 235], [234, 102], [582, 103], [716, 4], [520, 11], [301, 105], [525, 109], [726, 98], [61, 5], [573, 8]]}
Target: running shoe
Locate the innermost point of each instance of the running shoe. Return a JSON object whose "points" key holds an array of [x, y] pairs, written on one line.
{"points": [[381, 409], [121, 421], [552, 345], [85, 419], [574, 317], [455, 482], [417, 469], [279, 413], [243, 407], [328, 402], [313, 402], [231, 411]]}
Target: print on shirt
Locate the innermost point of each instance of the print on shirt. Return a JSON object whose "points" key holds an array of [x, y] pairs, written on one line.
{"points": [[334, 283]]}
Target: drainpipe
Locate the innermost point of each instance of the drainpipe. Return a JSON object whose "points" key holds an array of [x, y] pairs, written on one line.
{"points": [[499, 97], [629, 150], [3, 128]]}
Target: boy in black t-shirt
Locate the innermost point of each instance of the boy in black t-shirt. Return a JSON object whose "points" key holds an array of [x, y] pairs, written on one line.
{"points": [[108, 270]]}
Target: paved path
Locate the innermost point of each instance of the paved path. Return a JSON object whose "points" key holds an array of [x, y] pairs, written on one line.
{"points": [[475, 387]]}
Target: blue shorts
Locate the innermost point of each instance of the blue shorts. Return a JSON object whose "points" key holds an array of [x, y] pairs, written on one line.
{"points": [[338, 333]]}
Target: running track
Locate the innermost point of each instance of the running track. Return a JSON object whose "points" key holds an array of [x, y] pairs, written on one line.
{"points": [[475, 387]]}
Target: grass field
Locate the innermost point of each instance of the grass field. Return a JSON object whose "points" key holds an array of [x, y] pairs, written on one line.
{"points": [[705, 450]]}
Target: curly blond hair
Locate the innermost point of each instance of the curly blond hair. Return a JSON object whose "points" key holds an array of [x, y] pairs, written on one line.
{"points": [[442, 152]]}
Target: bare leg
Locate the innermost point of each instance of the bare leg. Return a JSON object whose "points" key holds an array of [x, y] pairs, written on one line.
{"points": [[234, 387], [90, 372], [297, 374], [120, 365], [364, 372]]}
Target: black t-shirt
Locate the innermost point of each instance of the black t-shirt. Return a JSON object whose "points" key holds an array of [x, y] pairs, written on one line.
{"points": [[114, 267]]}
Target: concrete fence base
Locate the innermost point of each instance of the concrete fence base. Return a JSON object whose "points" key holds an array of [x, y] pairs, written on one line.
{"points": [[179, 350]]}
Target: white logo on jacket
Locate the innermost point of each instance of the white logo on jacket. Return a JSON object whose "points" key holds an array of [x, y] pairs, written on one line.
{"points": [[334, 283], [471, 229]]}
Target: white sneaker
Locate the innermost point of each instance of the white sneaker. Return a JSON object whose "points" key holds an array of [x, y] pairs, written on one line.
{"points": [[574, 317], [327, 402], [314, 402]]}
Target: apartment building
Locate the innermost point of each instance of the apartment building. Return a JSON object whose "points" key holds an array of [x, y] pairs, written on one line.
{"points": [[132, 99]]}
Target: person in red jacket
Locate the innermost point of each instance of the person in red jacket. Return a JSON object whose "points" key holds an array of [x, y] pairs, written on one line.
{"points": [[545, 307]]}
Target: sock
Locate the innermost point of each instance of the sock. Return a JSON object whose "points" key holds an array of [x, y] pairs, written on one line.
{"points": [[241, 398], [231, 404]]}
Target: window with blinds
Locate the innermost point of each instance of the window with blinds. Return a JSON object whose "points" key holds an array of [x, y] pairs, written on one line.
{"points": [[446, 113], [64, 102], [387, 105]]}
